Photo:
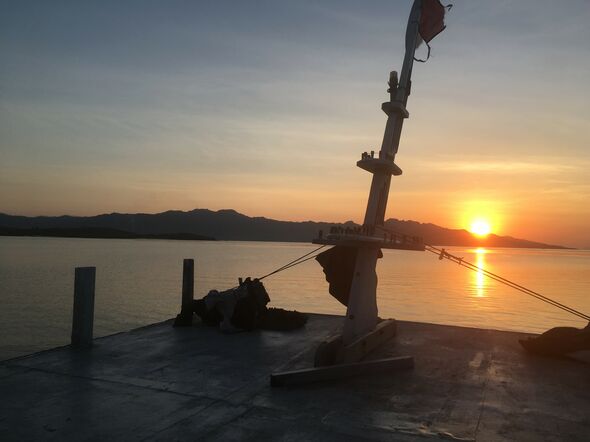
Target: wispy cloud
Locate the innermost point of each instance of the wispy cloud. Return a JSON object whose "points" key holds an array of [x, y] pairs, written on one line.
{"points": [[508, 167]]}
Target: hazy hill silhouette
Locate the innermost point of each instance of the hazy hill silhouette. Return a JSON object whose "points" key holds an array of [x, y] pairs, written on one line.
{"points": [[231, 225], [97, 232]]}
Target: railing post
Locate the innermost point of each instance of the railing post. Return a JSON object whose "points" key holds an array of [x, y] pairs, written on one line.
{"points": [[188, 289], [83, 315]]}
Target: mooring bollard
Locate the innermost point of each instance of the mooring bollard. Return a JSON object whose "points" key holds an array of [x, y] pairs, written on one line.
{"points": [[188, 285], [83, 316], [188, 289]]}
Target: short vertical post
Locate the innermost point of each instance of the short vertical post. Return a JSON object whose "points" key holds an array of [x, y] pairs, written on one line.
{"points": [[188, 289], [83, 316], [188, 286]]}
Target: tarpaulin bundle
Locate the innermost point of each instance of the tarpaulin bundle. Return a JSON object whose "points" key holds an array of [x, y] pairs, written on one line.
{"points": [[245, 308], [559, 341], [432, 22]]}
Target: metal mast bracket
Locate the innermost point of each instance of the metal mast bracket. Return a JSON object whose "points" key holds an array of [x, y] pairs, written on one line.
{"points": [[395, 107], [382, 165]]}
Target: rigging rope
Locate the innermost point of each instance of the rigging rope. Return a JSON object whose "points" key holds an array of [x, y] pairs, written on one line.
{"points": [[293, 263], [443, 254]]}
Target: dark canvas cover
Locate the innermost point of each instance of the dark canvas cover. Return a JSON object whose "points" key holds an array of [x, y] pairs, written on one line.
{"points": [[338, 264]]}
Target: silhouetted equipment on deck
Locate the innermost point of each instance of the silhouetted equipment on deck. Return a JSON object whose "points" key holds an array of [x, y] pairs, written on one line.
{"points": [[559, 341], [241, 308]]}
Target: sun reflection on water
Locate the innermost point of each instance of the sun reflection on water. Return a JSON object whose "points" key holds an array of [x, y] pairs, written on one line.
{"points": [[480, 279]]}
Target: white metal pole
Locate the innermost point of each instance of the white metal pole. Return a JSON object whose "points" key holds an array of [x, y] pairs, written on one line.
{"points": [[361, 315]]}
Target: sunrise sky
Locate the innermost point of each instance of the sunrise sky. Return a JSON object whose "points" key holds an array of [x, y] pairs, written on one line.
{"points": [[265, 106]]}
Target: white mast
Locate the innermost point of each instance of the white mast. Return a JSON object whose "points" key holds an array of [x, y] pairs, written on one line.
{"points": [[361, 316]]}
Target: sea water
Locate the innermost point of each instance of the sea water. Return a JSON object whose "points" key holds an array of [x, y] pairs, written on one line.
{"points": [[138, 282]]}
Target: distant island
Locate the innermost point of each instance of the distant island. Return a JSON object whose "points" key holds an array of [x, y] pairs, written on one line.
{"points": [[204, 224], [98, 232]]}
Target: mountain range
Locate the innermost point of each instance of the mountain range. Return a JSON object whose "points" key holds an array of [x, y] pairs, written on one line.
{"points": [[230, 225]]}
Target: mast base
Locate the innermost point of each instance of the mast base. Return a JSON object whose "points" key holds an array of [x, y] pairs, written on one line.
{"points": [[333, 351]]}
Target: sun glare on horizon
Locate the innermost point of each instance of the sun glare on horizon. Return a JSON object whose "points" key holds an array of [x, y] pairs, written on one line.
{"points": [[480, 227], [481, 217]]}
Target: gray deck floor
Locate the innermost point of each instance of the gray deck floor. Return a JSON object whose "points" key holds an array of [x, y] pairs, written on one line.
{"points": [[162, 383]]}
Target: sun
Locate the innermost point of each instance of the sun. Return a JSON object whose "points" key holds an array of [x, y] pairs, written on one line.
{"points": [[480, 227]]}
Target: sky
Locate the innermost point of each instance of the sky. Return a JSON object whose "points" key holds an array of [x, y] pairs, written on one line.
{"points": [[265, 107]]}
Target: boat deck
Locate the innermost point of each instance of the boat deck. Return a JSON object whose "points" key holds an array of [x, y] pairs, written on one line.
{"points": [[165, 383]]}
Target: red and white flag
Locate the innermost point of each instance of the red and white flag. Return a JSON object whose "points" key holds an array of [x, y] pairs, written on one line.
{"points": [[432, 21]]}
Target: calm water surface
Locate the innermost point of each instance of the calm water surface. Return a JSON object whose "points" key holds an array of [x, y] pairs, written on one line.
{"points": [[138, 283]]}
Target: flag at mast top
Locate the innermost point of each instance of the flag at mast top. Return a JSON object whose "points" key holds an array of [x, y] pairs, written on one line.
{"points": [[432, 21]]}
